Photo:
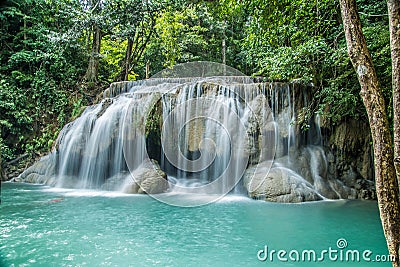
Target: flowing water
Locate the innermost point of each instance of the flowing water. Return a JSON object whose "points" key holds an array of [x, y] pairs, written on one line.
{"points": [[44, 226], [206, 132]]}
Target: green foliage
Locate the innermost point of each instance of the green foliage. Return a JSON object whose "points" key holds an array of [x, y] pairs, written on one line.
{"points": [[40, 66], [112, 52], [304, 40], [302, 62], [14, 118], [180, 34]]}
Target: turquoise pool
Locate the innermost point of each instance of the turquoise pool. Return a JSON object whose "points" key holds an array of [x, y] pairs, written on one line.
{"points": [[43, 226]]}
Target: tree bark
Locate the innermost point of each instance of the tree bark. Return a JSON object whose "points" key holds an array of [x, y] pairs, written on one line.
{"points": [[224, 54], [385, 176], [141, 44], [223, 51], [394, 25], [224, 48], [25, 30], [127, 61], [1, 170], [147, 69], [93, 67], [1, 162]]}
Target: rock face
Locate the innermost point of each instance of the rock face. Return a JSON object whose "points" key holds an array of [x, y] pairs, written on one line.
{"points": [[351, 157], [349, 160], [304, 178]]}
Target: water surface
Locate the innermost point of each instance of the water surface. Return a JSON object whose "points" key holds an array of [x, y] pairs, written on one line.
{"points": [[42, 226]]}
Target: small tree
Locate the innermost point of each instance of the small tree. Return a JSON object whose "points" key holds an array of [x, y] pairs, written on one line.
{"points": [[93, 67]]}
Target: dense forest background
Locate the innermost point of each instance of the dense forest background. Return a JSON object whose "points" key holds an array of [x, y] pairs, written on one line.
{"points": [[57, 56]]}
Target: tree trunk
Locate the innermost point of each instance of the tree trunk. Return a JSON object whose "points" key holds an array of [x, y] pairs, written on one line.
{"points": [[25, 31], [224, 54], [394, 24], [93, 68], [1, 169], [1, 174], [224, 48], [223, 51], [385, 176], [127, 61], [147, 69]]}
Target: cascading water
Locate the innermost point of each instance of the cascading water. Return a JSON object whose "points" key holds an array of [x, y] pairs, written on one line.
{"points": [[206, 134], [209, 125], [90, 150]]}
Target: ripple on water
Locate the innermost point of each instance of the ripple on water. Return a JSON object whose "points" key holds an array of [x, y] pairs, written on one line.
{"points": [[97, 229]]}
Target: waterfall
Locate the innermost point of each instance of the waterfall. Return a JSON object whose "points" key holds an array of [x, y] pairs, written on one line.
{"points": [[210, 135], [211, 145], [212, 130]]}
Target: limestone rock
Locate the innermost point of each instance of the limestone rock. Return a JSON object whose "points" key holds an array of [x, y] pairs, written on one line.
{"points": [[41, 172], [351, 140], [146, 179], [278, 184]]}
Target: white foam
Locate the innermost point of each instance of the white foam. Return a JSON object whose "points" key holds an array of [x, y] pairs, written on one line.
{"points": [[85, 192], [93, 193], [234, 198]]}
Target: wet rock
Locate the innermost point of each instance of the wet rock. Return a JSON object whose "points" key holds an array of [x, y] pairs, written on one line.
{"points": [[105, 104], [260, 130], [342, 190], [350, 142], [278, 184], [116, 182], [41, 172], [146, 179]]}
